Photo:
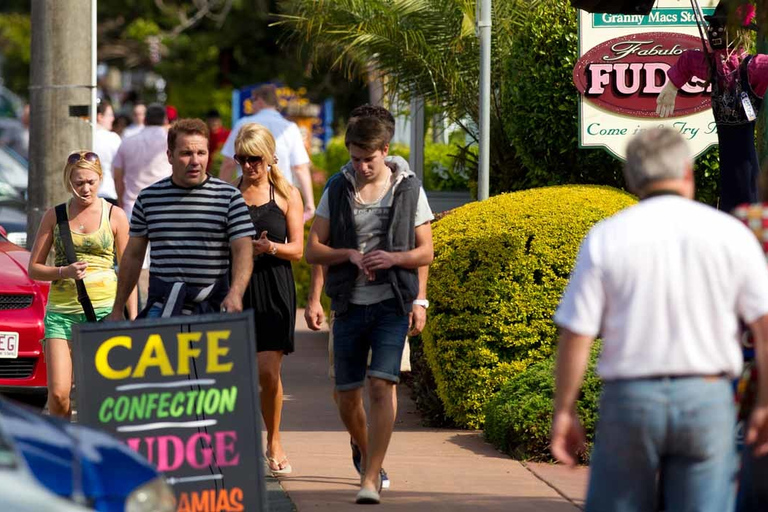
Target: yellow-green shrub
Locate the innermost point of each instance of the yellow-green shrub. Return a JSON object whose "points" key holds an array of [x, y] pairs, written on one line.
{"points": [[500, 268]]}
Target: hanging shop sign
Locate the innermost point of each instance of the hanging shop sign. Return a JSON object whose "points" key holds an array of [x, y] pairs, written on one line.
{"points": [[623, 60]]}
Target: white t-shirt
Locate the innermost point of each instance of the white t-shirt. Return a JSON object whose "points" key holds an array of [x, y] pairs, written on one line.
{"points": [[106, 144], [288, 140], [664, 283]]}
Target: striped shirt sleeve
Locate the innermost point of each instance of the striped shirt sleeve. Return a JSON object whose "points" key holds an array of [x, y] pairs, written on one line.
{"points": [[238, 219], [138, 220]]}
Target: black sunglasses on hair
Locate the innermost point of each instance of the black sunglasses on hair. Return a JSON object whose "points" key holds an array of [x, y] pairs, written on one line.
{"points": [[250, 159], [88, 156]]}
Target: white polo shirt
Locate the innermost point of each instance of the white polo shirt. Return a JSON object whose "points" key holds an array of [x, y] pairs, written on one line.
{"points": [[289, 144], [664, 283]]}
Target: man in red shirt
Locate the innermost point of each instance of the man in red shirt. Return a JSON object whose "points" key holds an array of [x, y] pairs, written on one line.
{"points": [[219, 134]]}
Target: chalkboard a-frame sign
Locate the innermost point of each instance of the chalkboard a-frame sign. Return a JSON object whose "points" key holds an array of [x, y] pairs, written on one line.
{"points": [[183, 392]]}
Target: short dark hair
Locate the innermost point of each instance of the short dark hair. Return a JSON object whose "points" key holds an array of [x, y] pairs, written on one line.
{"points": [[369, 133], [213, 114], [156, 115], [267, 93], [378, 112], [102, 105], [186, 127]]}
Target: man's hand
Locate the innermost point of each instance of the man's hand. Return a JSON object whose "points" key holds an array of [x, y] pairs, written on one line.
{"points": [[665, 103], [378, 260], [416, 320], [233, 303], [314, 315], [356, 258], [116, 316], [757, 431], [309, 212], [568, 438]]}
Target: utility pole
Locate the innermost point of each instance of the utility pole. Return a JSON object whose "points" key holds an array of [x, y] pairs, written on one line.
{"points": [[60, 78], [416, 158], [484, 32]]}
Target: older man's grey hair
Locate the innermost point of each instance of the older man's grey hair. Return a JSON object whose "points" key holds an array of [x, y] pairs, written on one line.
{"points": [[654, 155]]}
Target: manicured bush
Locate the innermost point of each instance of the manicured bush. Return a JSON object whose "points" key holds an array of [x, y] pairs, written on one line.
{"points": [[518, 418], [500, 268]]}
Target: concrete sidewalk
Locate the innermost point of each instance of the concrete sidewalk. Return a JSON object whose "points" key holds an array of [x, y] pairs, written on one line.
{"points": [[430, 469]]}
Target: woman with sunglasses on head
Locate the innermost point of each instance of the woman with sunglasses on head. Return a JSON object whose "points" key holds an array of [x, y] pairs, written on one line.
{"points": [[276, 210], [97, 229]]}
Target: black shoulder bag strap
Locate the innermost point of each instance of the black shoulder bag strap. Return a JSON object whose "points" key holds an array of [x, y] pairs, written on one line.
{"points": [[69, 250]]}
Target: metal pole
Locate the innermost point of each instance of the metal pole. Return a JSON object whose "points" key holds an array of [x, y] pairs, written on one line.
{"points": [[416, 157], [94, 71], [59, 79], [484, 28]]}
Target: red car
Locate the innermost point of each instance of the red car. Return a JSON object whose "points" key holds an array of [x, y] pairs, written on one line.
{"points": [[22, 309]]}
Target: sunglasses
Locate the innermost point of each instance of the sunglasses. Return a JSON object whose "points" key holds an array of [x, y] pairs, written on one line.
{"points": [[252, 160], [88, 156]]}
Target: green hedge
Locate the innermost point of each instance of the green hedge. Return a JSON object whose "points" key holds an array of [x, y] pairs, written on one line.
{"points": [[518, 418], [499, 271]]}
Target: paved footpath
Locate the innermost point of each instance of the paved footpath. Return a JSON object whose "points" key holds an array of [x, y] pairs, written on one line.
{"points": [[430, 469]]}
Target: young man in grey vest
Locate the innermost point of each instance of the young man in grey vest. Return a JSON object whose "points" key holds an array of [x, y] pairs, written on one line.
{"points": [[372, 230]]}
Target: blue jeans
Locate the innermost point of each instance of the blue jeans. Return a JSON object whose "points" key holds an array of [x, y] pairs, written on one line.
{"points": [[377, 326], [676, 433], [155, 312]]}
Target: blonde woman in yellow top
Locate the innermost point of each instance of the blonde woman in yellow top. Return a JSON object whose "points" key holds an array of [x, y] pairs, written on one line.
{"points": [[97, 230]]}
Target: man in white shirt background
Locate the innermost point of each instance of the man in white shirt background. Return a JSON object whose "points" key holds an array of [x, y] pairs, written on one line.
{"points": [[291, 154], [139, 112], [105, 144], [664, 283]]}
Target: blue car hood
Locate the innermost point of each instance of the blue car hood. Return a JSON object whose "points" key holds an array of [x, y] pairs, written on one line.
{"points": [[110, 470]]}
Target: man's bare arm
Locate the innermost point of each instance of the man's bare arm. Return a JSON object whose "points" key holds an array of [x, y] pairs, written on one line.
{"points": [[303, 181], [128, 276], [757, 431], [572, 357]]}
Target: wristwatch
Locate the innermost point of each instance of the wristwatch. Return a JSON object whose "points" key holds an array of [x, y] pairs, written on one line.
{"points": [[421, 302], [273, 249]]}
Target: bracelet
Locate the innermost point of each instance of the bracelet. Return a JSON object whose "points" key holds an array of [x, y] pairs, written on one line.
{"points": [[273, 249], [60, 272]]}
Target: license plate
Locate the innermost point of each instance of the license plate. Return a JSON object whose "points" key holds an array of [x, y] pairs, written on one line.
{"points": [[9, 345]]}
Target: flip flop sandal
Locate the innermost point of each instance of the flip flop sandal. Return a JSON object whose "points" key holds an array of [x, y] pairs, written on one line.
{"points": [[282, 467]]}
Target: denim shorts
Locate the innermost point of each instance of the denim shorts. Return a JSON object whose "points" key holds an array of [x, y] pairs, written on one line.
{"points": [[376, 327]]}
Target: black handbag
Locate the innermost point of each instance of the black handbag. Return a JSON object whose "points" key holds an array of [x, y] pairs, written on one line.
{"points": [[69, 250]]}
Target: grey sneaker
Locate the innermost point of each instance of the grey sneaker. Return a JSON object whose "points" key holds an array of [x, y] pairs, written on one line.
{"points": [[357, 461]]}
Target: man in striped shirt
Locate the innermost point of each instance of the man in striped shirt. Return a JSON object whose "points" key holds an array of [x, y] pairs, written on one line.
{"points": [[193, 221]]}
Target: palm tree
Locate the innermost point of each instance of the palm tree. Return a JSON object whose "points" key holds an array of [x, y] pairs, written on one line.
{"points": [[424, 47]]}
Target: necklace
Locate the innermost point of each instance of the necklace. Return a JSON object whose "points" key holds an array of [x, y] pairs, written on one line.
{"points": [[383, 193]]}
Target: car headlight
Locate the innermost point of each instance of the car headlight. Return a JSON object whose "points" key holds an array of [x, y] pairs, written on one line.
{"points": [[154, 496], [18, 237]]}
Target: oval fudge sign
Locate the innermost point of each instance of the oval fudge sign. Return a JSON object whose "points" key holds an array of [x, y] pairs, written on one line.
{"points": [[626, 74]]}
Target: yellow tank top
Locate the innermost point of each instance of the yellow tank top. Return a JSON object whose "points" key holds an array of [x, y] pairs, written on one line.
{"points": [[98, 249]]}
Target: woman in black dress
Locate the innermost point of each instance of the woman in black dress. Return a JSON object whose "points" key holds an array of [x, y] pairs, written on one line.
{"points": [[277, 213]]}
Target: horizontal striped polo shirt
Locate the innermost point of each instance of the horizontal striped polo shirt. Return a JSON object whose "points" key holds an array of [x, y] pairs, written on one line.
{"points": [[189, 229]]}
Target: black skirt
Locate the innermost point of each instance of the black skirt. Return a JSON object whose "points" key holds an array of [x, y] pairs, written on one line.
{"points": [[271, 295]]}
